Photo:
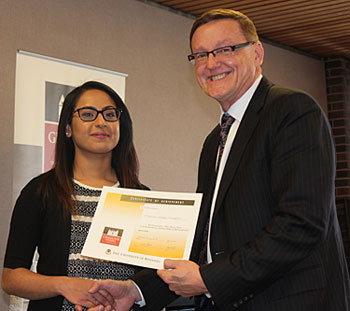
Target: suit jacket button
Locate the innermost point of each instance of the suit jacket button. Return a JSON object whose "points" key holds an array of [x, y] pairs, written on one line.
{"points": [[235, 305]]}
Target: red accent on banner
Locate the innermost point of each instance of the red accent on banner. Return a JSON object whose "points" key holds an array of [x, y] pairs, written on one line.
{"points": [[110, 239], [49, 145]]}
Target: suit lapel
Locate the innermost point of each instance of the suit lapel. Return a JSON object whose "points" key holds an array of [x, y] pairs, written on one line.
{"points": [[245, 131], [213, 146], [208, 178]]}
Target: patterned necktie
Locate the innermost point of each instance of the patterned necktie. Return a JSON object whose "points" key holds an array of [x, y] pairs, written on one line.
{"points": [[226, 122]]}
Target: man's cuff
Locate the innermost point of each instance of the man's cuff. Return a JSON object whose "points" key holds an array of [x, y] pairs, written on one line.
{"points": [[142, 302]]}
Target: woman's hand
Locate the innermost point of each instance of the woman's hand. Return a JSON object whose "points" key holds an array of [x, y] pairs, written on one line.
{"points": [[27, 284], [76, 291]]}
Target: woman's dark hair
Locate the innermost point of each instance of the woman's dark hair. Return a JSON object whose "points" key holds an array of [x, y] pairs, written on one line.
{"points": [[124, 158]]}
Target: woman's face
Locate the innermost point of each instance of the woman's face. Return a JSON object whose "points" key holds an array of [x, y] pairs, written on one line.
{"points": [[98, 137]]}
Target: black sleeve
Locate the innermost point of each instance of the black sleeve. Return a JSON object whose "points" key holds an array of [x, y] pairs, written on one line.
{"points": [[25, 228], [156, 293]]}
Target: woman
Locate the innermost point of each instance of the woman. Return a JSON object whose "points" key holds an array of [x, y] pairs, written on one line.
{"points": [[54, 210]]}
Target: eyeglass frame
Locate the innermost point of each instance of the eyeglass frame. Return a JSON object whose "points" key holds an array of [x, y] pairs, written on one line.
{"points": [[118, 113], [192, 57]]}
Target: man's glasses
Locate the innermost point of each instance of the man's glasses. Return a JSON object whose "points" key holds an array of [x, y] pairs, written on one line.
{"points": [[89, 114], [219, 53]]}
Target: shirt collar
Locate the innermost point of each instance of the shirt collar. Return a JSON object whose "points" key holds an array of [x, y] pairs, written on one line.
{"points": [[238, 109]]}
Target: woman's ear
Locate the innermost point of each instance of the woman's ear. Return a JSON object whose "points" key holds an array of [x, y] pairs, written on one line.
{"points": [[68, 131]]}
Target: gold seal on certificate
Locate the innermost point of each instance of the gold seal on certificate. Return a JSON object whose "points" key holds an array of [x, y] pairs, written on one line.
{"points": [[142, 227]]}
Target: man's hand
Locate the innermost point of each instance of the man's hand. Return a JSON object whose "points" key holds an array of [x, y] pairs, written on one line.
{"points": [[183, 277], [124, 294]]}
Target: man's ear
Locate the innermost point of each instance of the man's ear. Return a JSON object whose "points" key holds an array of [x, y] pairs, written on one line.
{"points": [[259, 53]]}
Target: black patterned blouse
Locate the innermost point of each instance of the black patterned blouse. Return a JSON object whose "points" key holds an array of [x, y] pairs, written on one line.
{"points": [[85, 203]]}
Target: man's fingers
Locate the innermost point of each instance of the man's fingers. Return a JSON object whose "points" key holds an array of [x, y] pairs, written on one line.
{"points": [[104, 297], [169, 264], [95, 287], [164, 275]]}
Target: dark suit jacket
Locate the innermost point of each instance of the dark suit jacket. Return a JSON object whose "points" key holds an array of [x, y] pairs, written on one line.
{"points": [[275, 238]]}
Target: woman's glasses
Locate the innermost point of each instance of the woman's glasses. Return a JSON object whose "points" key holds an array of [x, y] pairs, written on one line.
{"points": [[89, 114]]}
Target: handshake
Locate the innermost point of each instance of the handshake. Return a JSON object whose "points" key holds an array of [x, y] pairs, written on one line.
{"points": [[110, 295], [182, 277]]}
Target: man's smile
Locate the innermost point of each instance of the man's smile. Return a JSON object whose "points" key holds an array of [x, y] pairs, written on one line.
{"points": [[219, 76]]}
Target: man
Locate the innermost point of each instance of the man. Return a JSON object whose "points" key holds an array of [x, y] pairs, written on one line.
{"points": [[274, 241]]}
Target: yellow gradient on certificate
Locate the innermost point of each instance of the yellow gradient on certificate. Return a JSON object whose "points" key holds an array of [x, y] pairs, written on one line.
{"points": [[159, 242], [124, 205]]}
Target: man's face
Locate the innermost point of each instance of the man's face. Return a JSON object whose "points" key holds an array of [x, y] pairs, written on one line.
{"points": [[226, 79]]}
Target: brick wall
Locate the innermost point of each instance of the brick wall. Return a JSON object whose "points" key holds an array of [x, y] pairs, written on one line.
{"points": [[338, 92]]}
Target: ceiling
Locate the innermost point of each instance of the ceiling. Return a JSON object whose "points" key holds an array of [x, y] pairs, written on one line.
{"points": [[317, 27]]}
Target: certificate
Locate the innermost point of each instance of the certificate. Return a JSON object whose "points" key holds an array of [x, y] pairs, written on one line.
{"points": [[142, 228]]}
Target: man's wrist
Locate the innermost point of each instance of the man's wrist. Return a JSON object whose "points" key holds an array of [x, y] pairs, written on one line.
{"points": [[136, 293]]}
